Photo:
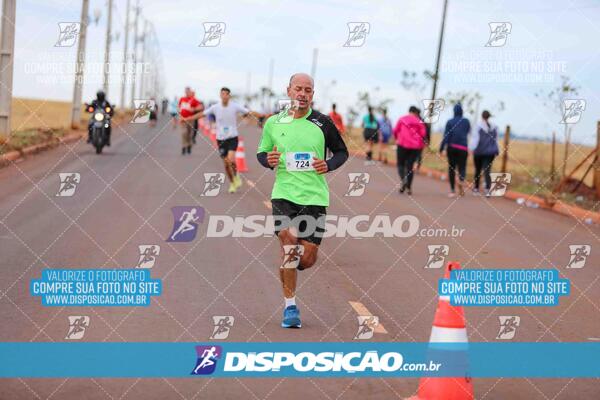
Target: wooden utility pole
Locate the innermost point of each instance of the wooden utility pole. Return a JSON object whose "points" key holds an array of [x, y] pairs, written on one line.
{"points": [[597, 163], [135, 43], [439, 52], [7, 47], [107, 48], [505, 153], [437, 61], [144, 49], [553, 160], [80, 66], [566, 155], [125, 57]]}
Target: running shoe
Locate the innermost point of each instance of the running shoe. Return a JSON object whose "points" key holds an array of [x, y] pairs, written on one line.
{"points": [[451, 195], [238, 182], [291, 318], [461, 189], [232, 187]]}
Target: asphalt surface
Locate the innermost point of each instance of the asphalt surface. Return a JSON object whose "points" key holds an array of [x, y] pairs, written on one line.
{"points": [[124, 200]]}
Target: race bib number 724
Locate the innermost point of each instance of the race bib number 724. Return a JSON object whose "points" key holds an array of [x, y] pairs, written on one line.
{"points": [[299, 161]]}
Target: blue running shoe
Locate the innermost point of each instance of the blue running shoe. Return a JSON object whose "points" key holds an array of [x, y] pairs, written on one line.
{"points": [[291, 318]]}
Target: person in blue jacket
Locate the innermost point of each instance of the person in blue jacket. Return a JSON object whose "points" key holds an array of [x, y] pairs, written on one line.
{"points": [[484, 145], [455, 145]]}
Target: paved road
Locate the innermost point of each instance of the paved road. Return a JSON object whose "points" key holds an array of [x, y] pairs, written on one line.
{"points": [[124, 200]]}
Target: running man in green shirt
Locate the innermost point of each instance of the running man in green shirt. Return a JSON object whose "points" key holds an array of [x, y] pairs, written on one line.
{"points": [[294, 143]]}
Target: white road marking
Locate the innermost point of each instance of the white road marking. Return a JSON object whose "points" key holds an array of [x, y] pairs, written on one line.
{"points": [[362, 310]]}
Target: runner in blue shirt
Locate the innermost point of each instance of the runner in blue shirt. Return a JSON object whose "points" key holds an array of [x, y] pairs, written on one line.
{"points": [[385, 127]]}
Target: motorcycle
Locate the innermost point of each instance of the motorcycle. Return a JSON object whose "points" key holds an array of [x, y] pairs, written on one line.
{"points": [[99, 126]]}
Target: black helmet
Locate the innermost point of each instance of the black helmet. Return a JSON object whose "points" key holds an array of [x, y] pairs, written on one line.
{"points": [[100, 96]]}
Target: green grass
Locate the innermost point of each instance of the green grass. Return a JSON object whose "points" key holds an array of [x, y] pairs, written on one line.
{"points": [[29, 137]]}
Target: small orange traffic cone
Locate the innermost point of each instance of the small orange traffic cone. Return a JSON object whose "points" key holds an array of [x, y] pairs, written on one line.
{"points": [[448, 327], [240, 157], [201, 123]]}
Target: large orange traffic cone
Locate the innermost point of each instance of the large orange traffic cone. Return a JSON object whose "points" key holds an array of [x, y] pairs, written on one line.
{"points": [[448, 327], [240, 157]]}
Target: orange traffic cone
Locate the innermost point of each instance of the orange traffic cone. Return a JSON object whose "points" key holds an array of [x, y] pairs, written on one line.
{"points": [[201, 123], [240, 157], [448, 327]]}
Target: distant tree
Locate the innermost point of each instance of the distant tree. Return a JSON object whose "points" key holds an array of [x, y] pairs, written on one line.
{"points": [[469, 101], [416, 84], [554, 100], [363, 101]]}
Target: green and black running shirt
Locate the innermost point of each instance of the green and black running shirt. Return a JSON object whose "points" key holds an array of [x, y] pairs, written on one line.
{"points": [[313, 133]]}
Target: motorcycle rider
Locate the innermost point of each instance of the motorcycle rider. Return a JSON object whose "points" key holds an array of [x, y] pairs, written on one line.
{"points": [[100, 102]]}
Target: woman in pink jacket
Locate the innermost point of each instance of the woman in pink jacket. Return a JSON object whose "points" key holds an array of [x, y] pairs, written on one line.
{"points": [[409, 133]]}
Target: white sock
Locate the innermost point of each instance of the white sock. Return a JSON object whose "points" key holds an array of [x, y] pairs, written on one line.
{"points": [[290, 302]]}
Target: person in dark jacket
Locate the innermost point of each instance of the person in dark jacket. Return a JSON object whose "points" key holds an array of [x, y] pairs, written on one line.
{"points": [[101, 102], [484, 145], [455, 144]]}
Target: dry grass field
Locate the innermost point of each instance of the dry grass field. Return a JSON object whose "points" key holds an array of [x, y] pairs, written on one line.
{"points": [[528, 161], [35, 121], [33, 114]]}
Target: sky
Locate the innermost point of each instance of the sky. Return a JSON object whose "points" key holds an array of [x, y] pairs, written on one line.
{"points": [[547, 39]]}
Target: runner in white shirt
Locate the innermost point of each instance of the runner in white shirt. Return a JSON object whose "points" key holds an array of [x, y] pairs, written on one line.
{"points": [[226, 113]]}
